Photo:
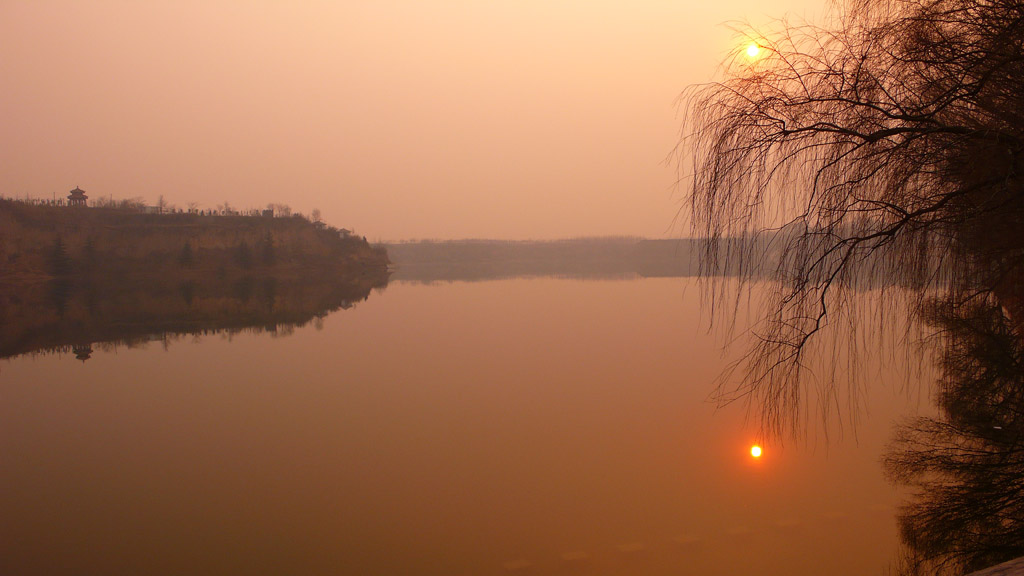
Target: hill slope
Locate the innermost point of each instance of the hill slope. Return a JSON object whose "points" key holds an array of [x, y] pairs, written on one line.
{"points": [[41, 242]]}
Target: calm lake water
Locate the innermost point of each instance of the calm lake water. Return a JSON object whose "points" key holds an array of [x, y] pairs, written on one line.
{"points": [[524, 426]]}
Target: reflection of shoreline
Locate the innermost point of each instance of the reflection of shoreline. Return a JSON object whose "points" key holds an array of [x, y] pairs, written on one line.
{"points": [[77, 315], [966, 466]]}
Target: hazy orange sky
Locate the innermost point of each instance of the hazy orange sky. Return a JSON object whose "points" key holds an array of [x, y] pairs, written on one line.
{"points": [[399, 119]]}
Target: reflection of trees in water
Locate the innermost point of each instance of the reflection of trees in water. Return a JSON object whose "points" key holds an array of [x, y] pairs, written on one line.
{"points": [[967, 465], [81, 314]]}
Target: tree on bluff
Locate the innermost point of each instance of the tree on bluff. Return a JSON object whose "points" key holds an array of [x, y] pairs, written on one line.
{"points": [[888, 142]]}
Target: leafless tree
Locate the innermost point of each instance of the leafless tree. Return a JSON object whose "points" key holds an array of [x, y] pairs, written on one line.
{"points": [[280, 210], [886, 143]]}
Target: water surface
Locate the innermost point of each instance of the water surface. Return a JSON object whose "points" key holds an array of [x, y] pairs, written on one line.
{"points": [[520, 426]]}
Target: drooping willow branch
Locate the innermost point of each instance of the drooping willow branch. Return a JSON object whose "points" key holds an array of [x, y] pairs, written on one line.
{"points": [[883, 146]]}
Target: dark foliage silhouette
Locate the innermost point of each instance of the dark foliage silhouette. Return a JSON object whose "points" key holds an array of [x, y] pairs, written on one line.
{"points": [[968, 465]]}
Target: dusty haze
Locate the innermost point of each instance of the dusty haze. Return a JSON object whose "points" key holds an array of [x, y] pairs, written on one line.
{"points": [[430, 119]]}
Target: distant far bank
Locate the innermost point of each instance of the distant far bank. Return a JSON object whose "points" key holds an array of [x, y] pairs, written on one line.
{"points": [[49, 240], [602, 258], [428, 261]]}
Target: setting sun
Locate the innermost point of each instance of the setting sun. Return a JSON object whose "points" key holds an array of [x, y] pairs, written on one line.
{"points": [[753, 50], [755, 451]]}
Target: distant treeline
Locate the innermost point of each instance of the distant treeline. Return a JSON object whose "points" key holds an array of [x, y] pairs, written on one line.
{"points": [[39, 242], [609, 257], [601, 258], [137, 204]]}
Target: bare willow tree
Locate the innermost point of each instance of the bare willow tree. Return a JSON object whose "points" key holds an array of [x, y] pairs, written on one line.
{"points": [[885, 144]]}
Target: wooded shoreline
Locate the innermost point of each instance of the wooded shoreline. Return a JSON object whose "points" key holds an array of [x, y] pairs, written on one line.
{"points": [[40, 242], [71, 276]]}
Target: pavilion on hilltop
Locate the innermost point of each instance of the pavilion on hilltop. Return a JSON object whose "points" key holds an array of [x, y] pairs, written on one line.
{"points": [[77, 197]]}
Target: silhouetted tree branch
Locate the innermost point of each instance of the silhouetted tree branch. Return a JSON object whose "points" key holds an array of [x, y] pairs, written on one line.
{"points": [[886, 144]]}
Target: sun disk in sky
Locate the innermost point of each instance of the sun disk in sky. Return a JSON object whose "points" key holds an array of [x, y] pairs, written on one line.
{"points": [[755, 451], [753, 50]]}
